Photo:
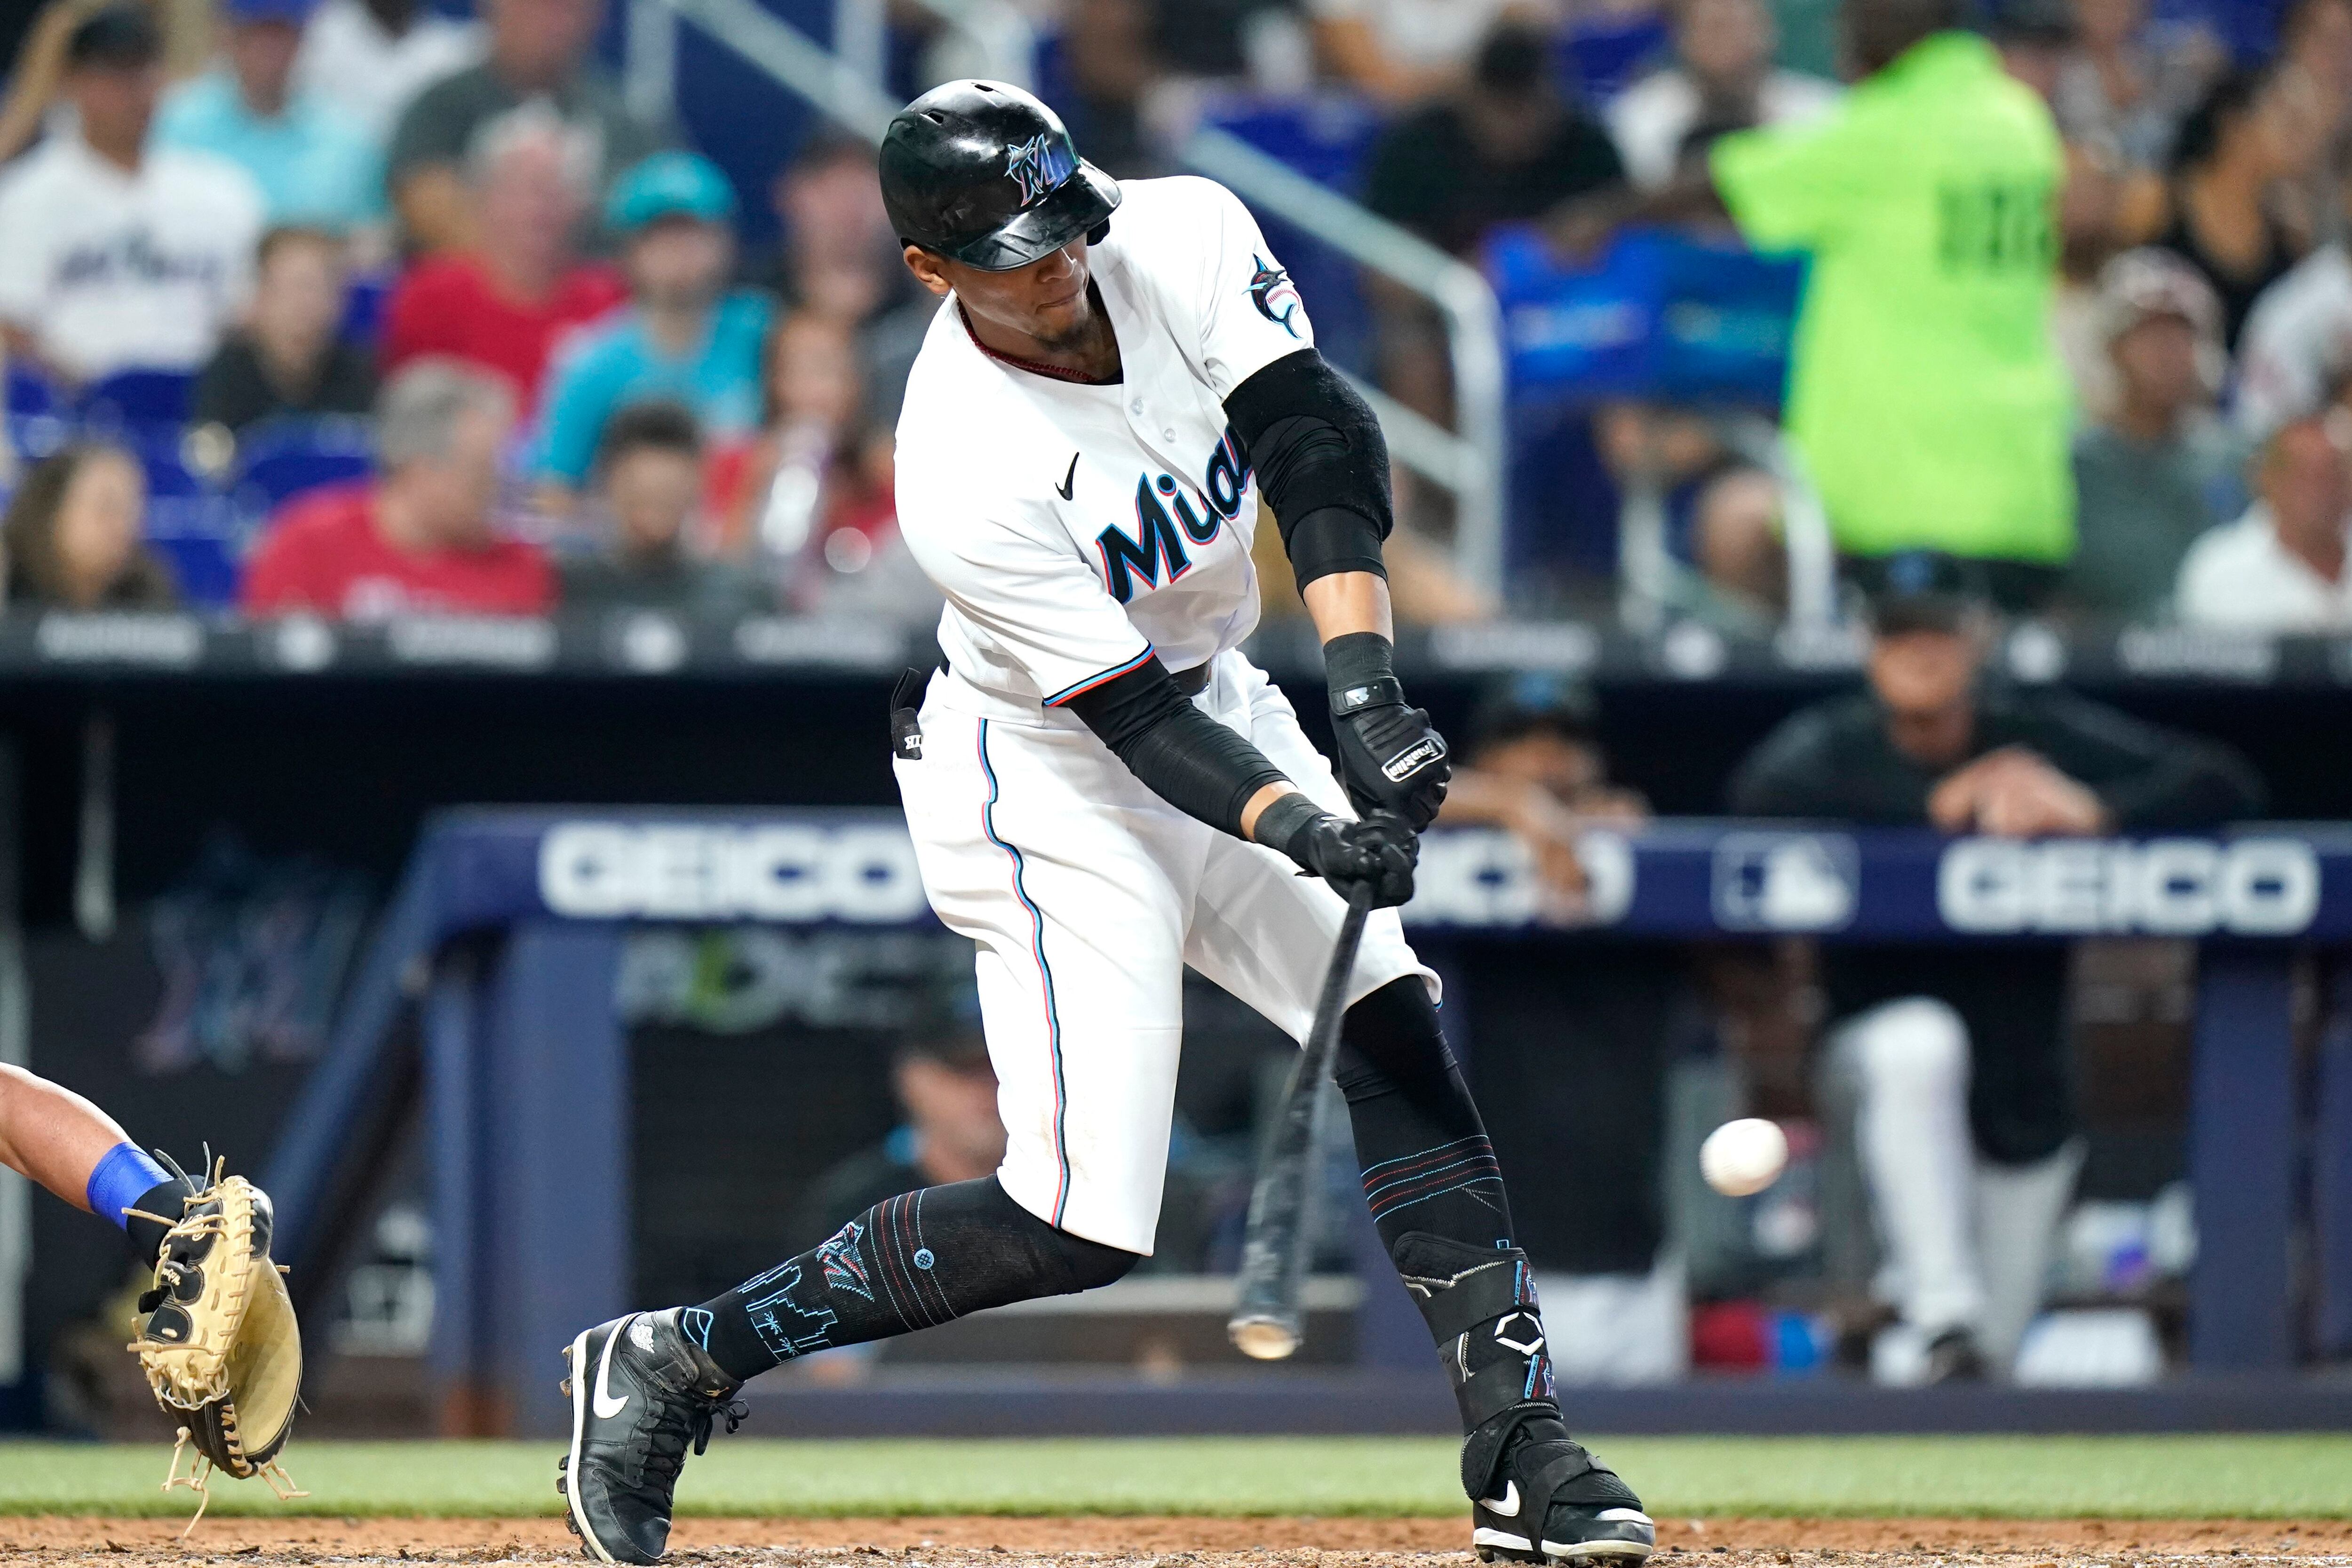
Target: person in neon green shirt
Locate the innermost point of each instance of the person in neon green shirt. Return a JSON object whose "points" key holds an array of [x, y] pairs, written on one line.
{"points": [[1926, 396]]}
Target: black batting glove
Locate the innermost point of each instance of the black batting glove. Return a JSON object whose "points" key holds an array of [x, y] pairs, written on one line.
{"points": [[1390, 757], [1378, 852]]}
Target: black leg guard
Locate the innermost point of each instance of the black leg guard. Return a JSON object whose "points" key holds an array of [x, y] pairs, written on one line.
{"points": [[1537, 1495]]}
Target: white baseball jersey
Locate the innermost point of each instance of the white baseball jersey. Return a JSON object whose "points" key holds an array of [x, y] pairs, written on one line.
{"points": [[1076, 530], [1073, 528]]}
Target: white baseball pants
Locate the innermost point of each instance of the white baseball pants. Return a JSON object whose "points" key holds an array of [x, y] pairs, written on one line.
{"points": [[1088, 895], [1967, 1240]]}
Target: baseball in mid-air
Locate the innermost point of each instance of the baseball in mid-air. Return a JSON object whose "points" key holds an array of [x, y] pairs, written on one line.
{"points": [[1743, 1156]]}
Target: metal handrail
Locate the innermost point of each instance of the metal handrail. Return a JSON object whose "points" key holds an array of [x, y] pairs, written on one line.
{"points": [[1652, 583], [1003, 45], [1471, 462], [861, 37], [830, 85], [1474, 462]]}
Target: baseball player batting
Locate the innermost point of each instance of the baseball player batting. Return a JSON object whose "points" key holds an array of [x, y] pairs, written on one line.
{"points": [[1102, 790]]}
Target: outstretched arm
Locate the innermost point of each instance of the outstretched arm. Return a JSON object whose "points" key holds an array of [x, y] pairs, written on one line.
{"points": [[52, 1135], [79, 1153], [40, 66]]}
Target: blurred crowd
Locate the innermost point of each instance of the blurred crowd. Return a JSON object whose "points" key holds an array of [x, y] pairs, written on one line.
{"points": [[581, 381], [449, 240]]}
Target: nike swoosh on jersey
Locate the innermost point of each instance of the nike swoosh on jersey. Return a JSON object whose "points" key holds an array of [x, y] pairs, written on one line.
{"points": [[606, 1406], [1069, 485]]}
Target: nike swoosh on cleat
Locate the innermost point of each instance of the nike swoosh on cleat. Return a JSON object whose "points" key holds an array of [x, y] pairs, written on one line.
{"points": [[606, 1406], [1069, 485], [1508, 1505]]}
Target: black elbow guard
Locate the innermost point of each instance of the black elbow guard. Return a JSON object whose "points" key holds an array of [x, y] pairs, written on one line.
{"points": [[1322, 464]]}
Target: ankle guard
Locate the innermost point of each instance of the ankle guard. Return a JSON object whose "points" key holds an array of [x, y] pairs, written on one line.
{"points": [[1481, 1308]]}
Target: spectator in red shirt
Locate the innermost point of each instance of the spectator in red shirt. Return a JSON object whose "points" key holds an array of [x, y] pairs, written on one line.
{"points": [[504, 305], [420, 538]]}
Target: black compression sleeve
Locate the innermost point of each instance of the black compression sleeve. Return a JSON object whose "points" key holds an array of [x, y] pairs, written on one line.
{"points": [[1186, 758], [1321, 462]]}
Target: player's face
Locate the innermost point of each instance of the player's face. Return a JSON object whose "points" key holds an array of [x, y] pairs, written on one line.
{"points": [[652, 490], [1045, 300], [116, 103], [680, 261], [1925, 681], [2304, 480], [98, 519]]}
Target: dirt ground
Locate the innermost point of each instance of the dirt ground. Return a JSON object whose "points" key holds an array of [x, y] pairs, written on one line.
{"points": [[1172, 1542]]}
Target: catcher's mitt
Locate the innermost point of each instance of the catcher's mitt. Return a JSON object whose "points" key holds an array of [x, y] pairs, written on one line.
{"points": [[217, 1337]]}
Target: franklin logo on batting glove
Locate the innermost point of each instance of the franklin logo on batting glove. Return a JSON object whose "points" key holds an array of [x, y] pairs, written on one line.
{"points": [[1414, 758]]}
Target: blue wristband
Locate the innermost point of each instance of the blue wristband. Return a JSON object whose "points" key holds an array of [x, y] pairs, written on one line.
{"points": [[122, 1177]]}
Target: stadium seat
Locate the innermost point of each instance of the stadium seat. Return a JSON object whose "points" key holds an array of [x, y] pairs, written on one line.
{"points": [[1657, 315], [40, 413], [1328, 139], [191, 521], [281, 458], [363, 301], [1598, 58], [32, 393], [134, 397], [201, 541]]}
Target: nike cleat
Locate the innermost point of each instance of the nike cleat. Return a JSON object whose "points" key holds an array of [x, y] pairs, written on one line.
{"points": [[1536, 1494], [1592, 1516], [643, 1395]]}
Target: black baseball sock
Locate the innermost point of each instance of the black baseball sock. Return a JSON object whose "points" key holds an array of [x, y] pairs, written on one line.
{"points": [[1437, 1196], [1426, 1162], [912, 1262]]}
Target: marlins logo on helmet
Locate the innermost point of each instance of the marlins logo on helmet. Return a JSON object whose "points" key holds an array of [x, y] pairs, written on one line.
{"points": [[1274, 294], [1039, 164]]}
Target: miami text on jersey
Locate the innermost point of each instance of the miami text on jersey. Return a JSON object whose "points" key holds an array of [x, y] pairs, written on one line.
{"points": [[1159, 544]]}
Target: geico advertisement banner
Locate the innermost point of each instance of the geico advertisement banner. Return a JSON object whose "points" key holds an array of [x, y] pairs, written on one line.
{"points": [[1676, 878], [783, 872], [865, 874], [2163, 887]]}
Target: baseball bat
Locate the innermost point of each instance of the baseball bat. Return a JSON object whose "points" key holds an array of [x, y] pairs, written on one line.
{"points": [[1267, 1321]]}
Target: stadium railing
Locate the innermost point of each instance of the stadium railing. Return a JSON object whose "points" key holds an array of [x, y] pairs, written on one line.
{"points": [[1471, 463], [523, 1065]]}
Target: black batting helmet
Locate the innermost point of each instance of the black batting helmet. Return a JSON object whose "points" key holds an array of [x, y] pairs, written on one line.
{"points": [[984, 174]]}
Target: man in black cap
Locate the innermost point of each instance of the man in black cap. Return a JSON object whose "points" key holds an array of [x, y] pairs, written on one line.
{"points": [[1102, 789], [1533, 765], [1957, 1056], [114, 255]]}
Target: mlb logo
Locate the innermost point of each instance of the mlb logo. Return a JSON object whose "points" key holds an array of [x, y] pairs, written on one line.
{"points": [[1786, 881]]}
